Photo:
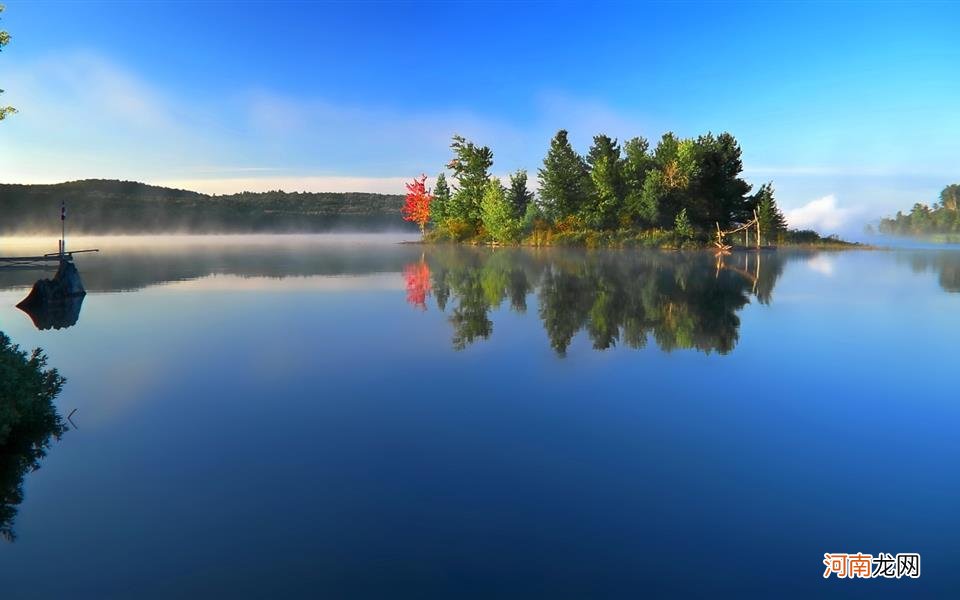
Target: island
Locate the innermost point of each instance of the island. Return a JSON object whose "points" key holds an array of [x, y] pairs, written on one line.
{"points": [[683, 193]]}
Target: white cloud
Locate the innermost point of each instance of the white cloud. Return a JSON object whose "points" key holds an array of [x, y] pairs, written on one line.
{"points": [[823, 215]]}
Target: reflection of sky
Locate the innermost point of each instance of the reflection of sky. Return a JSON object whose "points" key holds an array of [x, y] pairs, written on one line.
{"points": [[294, 436]]}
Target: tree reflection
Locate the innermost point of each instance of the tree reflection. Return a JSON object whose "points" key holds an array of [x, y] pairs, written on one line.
{"points": [[28, 423], [945, 264], [417, 277], [681, 300]]}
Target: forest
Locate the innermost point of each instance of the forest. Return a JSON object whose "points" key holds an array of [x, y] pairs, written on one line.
{"points": [[675, 194], [100, 206], [941, 217]]}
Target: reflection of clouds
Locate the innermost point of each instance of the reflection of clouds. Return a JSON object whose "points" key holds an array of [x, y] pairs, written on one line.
{"points": [[821, 264], [322, 283]]}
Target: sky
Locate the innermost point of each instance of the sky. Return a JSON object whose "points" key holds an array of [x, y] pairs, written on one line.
{"points": [[849, 108]]}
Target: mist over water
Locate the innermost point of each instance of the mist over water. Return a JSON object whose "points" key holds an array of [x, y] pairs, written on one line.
{"points": [[341, 415]]}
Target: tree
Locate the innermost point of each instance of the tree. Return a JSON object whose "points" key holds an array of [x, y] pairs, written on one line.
{"points": [[682, 226], [606, 175], [440, 207], [518, 195], [772, 222], [720, 193], [637, 163], [564, 179], [471, 170], [5, 111], [497, 214], [950, 197], [416, 206]]}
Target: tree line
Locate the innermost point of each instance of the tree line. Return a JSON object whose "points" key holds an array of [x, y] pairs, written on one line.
{"points": [[103, 206], [682, 189], [940, 217]]}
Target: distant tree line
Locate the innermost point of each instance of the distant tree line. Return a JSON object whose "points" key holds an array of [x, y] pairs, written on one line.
{"points": [[684, 187], [98, 206], [941, 217]]}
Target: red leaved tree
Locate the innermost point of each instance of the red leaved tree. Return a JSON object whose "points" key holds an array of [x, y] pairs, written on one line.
{"points": [[417, 205]]}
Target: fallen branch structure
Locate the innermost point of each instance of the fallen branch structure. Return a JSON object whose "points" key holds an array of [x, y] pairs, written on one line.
{"points": [[745, 228]]}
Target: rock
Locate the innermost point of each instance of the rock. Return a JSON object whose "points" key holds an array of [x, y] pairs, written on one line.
{"points": [[55, 303]]}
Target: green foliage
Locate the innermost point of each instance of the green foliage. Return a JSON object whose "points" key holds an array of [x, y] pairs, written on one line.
{"points": [[519, 197], [950, 197], [653, 199], [637, 163], [564, 180], [440, 207], [772, 222], [5, 111], [942, 218], [682, 227], [28, 420], [497, 214], [471, 171], [606, 174]]}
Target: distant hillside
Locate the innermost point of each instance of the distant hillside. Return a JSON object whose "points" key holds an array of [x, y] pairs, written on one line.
{"points": [[99, 206]]}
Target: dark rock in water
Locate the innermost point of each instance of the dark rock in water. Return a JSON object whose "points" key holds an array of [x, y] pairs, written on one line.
{"points": [[55, 303]]}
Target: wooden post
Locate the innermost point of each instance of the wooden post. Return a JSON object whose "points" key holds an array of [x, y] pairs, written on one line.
{"points": [[757, 220]]}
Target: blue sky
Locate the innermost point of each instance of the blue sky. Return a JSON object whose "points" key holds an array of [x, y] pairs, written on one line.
{"points": [[851, 109]]}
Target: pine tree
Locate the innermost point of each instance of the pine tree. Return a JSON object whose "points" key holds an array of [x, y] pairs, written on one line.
{"points": [[772, 222], [440, 207], [606, 175], [637, 163], [682, 226], [471, 171], [518, 195], [564, 179]]}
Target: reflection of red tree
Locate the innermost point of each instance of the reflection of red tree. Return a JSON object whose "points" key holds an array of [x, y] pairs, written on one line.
{"points": [[417, 276]]}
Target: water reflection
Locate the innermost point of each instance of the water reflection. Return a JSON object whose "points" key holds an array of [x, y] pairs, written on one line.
{"points": [[946, 264], [680, 300], [28, 423]]}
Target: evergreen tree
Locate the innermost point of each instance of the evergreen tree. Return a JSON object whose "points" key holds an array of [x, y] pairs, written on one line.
{"points": [[682, 226], [637, 163], [440, 207], [564, 179], [950, 197], [653, 199], [720, 193], [471, 171], [606, 175], [497, 213], [518, 195], [772, 222]]}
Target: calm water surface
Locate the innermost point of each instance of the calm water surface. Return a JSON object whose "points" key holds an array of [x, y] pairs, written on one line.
{"points": [[352, 417]]}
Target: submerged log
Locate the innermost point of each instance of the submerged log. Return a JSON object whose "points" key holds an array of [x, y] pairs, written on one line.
{"points": [[55, 303]]}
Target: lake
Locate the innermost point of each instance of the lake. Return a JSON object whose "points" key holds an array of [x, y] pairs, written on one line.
{"points": [[348, 416]]}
